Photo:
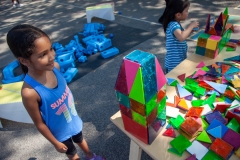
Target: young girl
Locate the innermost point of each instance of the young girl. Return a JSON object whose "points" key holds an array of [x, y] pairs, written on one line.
{"points": [[45, 93], [176, 45]]}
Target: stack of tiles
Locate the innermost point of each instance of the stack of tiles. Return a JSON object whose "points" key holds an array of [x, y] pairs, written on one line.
{"points": [[211, 43], [141, 92]]}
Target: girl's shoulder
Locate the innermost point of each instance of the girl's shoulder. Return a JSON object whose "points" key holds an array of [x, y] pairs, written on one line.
{"points": [[173, 23], [28, 92]]}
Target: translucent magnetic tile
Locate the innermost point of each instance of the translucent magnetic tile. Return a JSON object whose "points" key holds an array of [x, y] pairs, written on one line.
{"points": [[174, 151], [197, 103], [160, 95], [234, 125], [139, 118], [211, 156], [176, 122], [194, 112], [137, 107], [162, 114], [180, 143], [121, 83], [151, 105], [198, 149], [123, 99], [162, 104], [232, 138], [139, 56], [214, 124], [221, 148], [190, 126], [215, 115]]}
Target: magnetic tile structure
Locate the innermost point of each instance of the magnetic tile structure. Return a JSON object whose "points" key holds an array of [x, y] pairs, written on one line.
{"points": [[211, 42], [141, 93]]}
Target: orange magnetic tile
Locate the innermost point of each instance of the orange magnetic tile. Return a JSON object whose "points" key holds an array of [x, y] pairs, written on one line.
{"points": [[205, 85], [238, 92], [190, 126], [170, 104], [176, 100], [225, 67], [138, 107], [221, 148], [160, 95], [194, 112], [229, 93]]}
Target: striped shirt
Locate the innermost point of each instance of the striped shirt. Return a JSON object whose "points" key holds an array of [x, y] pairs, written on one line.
{"points": [[176, 50]]}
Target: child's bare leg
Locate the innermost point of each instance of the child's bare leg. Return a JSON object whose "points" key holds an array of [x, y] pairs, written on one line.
{"points": [[84, 146], [73, 157]]}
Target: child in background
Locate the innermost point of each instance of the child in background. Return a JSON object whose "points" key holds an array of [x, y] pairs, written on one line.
{"points": [[176, 45], [45, 93], [14, 5]]}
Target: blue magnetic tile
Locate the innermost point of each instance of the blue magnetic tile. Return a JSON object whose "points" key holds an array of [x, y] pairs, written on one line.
{"points": [[215, 115], [123, 99], [215, 123], [215, 132]]}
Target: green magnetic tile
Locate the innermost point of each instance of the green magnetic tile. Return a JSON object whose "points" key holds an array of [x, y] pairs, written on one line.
{"points": [[162, 104], [201, 91], [203, 136], [205, 68], [204, 123], [139, 118], [180, 143], [234, 125], [197, 103], [221, 99], [189, 88], [190, 81], [174, 151], [174, 83], [230, 49], [204, 36], [151, 105], [162, 114], [211, 156], [210, 100], [176, 122]]}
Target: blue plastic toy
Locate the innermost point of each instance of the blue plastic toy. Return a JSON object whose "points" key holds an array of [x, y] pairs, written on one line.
{"points": [[82, 59], [110, 52], [65, 61], [111, 35], [69, 74], [8, 75]]}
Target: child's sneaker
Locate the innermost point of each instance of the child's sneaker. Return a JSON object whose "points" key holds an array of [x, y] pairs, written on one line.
{"points": [[20, 5], [95, 157], [14, 6]]}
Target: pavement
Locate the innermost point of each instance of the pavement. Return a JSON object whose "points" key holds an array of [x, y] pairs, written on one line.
{"points": [[94, 92]]}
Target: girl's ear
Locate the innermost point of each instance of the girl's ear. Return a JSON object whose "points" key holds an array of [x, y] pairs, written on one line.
{"points": [[23, 61]]}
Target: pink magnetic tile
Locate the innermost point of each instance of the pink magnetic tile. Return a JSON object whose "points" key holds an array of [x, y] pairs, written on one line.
{"points": [[216, 38], [161, 79], [131, 69], [216, 53]]}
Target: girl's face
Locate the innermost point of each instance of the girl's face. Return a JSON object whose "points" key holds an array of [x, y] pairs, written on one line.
{"points": [[43, 57], [182, 16]]}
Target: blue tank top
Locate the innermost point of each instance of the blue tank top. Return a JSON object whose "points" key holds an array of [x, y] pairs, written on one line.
{"points": [[57, 107]]}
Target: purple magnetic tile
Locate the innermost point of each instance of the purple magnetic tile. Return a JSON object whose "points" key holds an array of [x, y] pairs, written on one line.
{"points": [[215, 123], [233, 138], [215, 115], [192, 157], [189, 98]]}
